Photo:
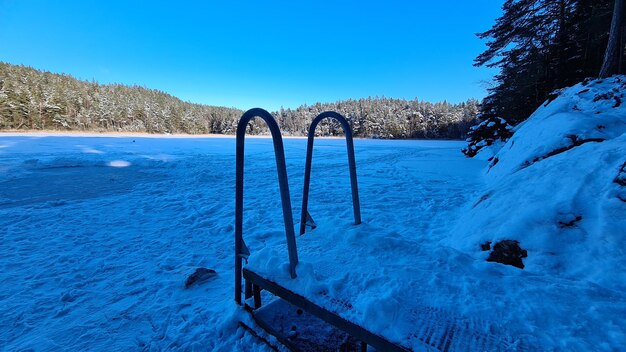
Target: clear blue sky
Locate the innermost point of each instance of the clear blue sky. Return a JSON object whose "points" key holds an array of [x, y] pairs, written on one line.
{"points": [[262, 53]]}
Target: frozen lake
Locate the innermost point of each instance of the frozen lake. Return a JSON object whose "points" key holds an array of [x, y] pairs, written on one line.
{"points": [[100, 233]]}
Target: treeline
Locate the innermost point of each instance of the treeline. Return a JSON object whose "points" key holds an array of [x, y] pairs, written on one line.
{"points": [[387, 118], [35, 100], [544, 45]]}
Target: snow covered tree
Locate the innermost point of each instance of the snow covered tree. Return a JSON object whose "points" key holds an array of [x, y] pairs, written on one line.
{"points": [[485, 134], [41, 100]]}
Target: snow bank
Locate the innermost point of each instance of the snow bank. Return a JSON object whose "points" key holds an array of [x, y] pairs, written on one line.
{"points": [[555, 187]]}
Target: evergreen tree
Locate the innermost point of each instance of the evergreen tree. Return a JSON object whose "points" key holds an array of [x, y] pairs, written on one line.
{"points": [[540, 46]]}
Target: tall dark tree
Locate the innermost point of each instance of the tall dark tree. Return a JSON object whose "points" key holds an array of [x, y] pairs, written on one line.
{"points": [[614, 47]]}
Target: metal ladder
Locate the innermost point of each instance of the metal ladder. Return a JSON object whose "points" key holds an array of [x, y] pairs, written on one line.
{"points": [[441, 333], [254, 283], [305, 216], [241, 250]]}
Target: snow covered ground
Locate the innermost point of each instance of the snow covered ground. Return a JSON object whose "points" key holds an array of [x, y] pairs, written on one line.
{"points": [[100, 233]]}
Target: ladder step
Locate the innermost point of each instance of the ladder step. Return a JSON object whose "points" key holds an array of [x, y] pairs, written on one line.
{"points": [[330, 318], [301, 331]]}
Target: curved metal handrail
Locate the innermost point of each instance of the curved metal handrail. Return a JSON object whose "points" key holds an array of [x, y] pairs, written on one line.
{"points": [[240, 248], [351, 164]]}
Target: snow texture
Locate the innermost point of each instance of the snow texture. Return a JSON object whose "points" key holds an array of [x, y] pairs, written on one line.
{"points": [[99, 235], [554, 188]]}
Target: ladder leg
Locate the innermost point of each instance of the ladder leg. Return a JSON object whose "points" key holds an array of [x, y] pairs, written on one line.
{"points": [[257, 296], [248, 289]]}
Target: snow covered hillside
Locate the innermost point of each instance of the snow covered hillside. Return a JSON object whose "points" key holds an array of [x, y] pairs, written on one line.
{"points": [[557, 189], [557, 186]]}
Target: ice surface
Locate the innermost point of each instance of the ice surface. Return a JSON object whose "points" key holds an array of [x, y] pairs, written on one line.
{"points": [[95, 257]]}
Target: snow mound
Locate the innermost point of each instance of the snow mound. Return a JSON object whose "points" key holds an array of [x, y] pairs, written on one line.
{"points": [[591, 111], [558, 187]]}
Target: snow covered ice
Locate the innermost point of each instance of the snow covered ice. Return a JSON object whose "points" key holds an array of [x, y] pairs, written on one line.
{"points": [[100, 234]]}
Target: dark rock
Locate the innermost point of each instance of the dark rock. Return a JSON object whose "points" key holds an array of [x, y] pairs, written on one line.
{"points": [[620, 179], [570, 221], [199, 276], [551, 96], [485, 246], [618, 101], [603, 96], [482, 198], [508, 252], [493, 162]]}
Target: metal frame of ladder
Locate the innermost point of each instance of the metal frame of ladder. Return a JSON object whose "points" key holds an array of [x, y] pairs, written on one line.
{"points": [[241, 250], [351, 164]]}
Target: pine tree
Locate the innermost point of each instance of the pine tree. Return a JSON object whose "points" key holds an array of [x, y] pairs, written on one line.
{"points": [[541, 46]]}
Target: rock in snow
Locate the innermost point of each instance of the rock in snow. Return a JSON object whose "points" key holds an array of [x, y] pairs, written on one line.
{"points": [[508, 252], [199, 276]]}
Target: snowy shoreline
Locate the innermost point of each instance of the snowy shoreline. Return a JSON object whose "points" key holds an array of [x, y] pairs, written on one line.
{"points": [[88, 134]]}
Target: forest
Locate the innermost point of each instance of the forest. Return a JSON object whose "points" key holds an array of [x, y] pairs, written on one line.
{"points": [[31, 99], [540, 46]]}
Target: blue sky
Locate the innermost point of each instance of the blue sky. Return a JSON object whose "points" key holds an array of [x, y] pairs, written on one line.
{"points": [[264, 53]]}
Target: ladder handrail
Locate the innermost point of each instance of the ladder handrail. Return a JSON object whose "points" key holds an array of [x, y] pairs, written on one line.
{"points": [[351, 164], [279, 152]]}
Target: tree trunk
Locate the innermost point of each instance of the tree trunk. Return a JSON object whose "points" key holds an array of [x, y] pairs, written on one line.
{"points": [[613, 50]]}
